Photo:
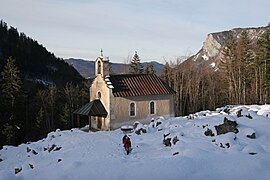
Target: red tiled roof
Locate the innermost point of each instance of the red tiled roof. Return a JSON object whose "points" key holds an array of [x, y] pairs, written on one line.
{"points": [[138, 85]]}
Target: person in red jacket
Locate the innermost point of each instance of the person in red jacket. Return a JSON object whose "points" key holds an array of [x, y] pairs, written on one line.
{"points": [[127, 144]]}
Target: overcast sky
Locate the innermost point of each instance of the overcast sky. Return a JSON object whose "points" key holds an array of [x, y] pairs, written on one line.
{"points": [[157, 29]]}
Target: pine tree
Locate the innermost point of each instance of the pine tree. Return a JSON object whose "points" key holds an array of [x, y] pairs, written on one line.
{"points": [[65, 117], [11, 90], [135, 65], [9, 132], [10, 82], [40, 122], [149, 69]]}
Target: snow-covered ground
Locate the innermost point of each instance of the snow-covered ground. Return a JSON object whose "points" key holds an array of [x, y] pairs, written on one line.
{"points": [[75, 154]]}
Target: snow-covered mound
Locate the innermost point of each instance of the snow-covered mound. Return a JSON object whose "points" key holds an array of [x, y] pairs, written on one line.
{"points": [[229, 143]]}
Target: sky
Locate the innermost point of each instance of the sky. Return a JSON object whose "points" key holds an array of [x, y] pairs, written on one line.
{"points": [[160, 30]]}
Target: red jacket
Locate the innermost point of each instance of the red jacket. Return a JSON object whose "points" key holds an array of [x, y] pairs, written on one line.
{"points": [[127, 143]]}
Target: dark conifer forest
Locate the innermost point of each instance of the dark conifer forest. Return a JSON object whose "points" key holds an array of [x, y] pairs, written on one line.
{"points": [[38, 91]]}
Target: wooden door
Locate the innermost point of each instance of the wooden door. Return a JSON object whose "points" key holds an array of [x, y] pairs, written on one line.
{"points": [[99, 122]]}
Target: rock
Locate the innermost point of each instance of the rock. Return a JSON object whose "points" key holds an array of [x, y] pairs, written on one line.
{"points": [[1, 160], [28, 149], [167, 142], [158, 123], [252, 136], [17, 170], [190, 116], [31, 166], [51, 148], [57, 148], [59, 160], [249, 116], [139, 131], [209, 132], [238, 113], [166, 134], [228, 145], [139, 128], [34, 152], [175, 140], [135, 124], [227, 126], [221, 145], [227, 110]]}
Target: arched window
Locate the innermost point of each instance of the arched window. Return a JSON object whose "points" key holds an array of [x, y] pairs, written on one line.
{"points": [[132, 109], [99, 67], [99, 95], [152, 107]]}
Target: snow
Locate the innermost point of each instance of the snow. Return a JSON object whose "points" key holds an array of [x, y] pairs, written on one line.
{"points": [[110, 86], [213, 65], [74, 154], [205, 57]]}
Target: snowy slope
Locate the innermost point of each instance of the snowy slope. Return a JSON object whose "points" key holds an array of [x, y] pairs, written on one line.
{"points": [[75, 154]]}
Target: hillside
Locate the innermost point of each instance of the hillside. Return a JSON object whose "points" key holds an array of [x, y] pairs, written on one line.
{"points": [[31, 80], [87, 68], [34, 61], [74, 154]]}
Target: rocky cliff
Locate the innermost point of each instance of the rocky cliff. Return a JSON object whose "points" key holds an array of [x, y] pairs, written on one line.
{"points": [[210, 53]]}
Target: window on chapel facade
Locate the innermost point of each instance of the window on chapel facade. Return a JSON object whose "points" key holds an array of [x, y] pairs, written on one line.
{"points": [[132, 109], [152, 107]]}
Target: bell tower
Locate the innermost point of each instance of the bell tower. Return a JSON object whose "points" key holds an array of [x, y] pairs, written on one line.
{"points": [[102, 65]]}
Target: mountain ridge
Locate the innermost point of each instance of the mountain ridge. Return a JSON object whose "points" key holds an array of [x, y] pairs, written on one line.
{"points": [[211, 51], [87, 67]]}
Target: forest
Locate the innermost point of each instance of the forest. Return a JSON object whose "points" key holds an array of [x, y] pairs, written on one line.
{"points": [[242, 76], [38, 92]]}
